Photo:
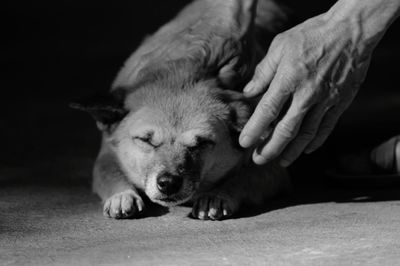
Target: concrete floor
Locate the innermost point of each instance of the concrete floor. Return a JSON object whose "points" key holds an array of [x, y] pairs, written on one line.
{"points": [[63, 225]]}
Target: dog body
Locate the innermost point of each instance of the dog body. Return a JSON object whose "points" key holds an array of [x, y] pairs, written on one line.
{"points": [[170, 128]]}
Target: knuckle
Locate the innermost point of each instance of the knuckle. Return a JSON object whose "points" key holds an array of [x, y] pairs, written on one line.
{"points": [[301, 67], [319, 78], [305, 99], [259, 72], [285, 130], [269, 109], [306, 136], [323, 134], [326, 129], [278, 37], [269, 106], [276, 40], [333, 97], [290, 82]]}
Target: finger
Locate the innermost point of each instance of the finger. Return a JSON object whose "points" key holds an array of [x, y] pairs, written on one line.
{"points": [[284, 132], [264, 72], [327, 125], [306, 134], [266, 112]]}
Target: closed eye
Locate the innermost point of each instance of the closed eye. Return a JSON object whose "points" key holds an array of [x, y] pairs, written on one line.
{"points": [[146, 139], [202, 143]]}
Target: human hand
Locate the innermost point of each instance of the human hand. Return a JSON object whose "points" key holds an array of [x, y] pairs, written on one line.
{"points": [[316, 69]]}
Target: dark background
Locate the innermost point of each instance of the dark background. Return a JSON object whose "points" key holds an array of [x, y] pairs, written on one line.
{"points": [[54, 52]]}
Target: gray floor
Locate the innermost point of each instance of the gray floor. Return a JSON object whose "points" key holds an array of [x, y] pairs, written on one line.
{"points": [[63, 225]]}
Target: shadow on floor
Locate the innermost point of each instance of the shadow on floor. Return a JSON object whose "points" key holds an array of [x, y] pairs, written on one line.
{"points": [[342, 191]]}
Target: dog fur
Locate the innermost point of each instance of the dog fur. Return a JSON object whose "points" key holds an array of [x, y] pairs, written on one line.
{"points": [[175, 112]]}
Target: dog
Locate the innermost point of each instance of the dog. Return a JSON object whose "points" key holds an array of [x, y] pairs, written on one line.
{"points": [[171, 121]]}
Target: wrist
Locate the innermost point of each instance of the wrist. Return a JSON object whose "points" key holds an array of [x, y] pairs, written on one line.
{"points": [[367, 19]]}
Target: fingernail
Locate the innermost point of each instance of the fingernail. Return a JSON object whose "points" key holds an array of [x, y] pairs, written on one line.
{"points": [[245, 141], [249, 87], [259, 159], [308, 151]]}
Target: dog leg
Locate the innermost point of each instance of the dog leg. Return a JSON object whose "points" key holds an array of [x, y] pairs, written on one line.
{"points": [[252, 185], [120, 197]]}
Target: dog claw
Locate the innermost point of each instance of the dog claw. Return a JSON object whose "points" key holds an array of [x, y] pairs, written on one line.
{"points": [[213, 207]]}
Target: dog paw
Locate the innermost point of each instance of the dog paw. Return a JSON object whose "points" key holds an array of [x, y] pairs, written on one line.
{"points": [[123, 205], [214, 206]]}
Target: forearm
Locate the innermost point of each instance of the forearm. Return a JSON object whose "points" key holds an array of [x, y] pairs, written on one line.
{"points": [[369, 18]]}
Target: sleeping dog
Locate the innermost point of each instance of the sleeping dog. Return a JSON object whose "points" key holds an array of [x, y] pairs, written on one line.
{"points": [[171, 121]]}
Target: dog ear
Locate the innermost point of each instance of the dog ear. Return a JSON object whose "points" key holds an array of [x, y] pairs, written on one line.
{"points": [[240, 108], [106, 108]]}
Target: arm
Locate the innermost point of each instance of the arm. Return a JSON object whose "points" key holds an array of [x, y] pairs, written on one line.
{"points": [[318, 66]]}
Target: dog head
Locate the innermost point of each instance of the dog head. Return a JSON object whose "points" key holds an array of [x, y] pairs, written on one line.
{"points": [[170, 141]]}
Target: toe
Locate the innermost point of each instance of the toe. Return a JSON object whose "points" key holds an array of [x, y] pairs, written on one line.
{"points": [[128, 207], [106, 208], [203, 209], [139, 204], [226, 210], [215, 211], [200, 208], [115, 210]]}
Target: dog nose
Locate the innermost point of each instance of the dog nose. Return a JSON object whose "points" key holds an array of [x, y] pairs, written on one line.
{"points": [[169, 184]]}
